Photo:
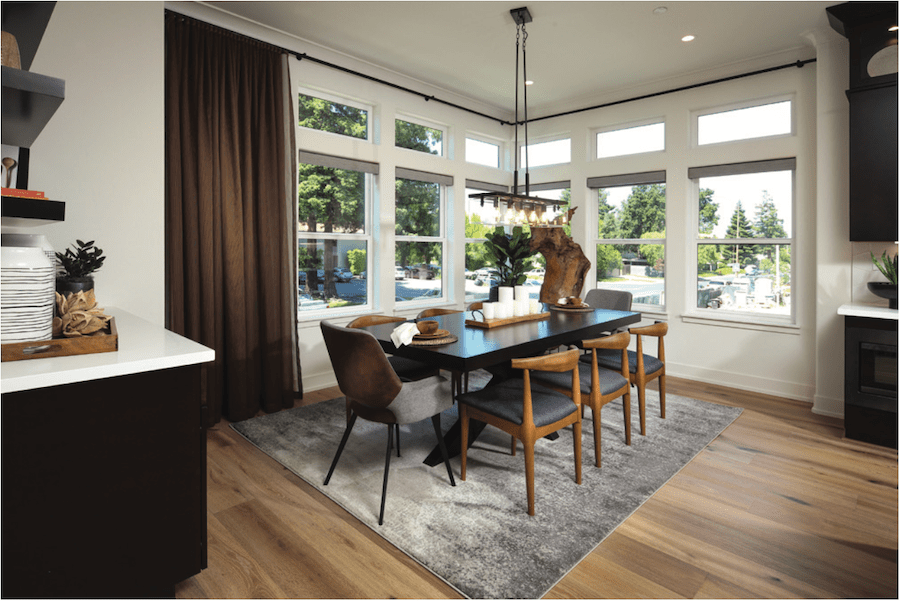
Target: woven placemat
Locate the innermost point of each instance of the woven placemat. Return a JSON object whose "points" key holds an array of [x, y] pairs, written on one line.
{"points": [[434, 341]]}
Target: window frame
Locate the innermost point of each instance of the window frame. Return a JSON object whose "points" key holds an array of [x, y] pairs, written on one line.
{"points": [[444, 129], [484, 140], [595, 184], [736, 106], [595, 134], [743, 319], [520, 158], [368, 236], [445, 187], [337, 99]]}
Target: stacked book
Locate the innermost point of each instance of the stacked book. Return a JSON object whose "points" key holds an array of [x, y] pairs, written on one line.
{"points": [[24, 193]]}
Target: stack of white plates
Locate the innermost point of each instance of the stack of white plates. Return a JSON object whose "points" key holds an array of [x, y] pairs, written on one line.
{"points": [[27, 287]]}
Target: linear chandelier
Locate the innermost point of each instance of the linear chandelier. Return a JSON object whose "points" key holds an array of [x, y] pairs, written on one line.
{"points": [[521, 209]]}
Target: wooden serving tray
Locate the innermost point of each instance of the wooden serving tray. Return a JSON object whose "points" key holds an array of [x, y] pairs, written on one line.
{"points": [[62, 347], [496, 323]]}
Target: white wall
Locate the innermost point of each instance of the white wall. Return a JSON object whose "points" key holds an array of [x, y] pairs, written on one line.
{"points": [[102, 152]]}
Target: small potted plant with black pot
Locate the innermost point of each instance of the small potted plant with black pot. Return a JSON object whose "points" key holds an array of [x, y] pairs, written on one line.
{"points": [[888, 267], [78, 264]]}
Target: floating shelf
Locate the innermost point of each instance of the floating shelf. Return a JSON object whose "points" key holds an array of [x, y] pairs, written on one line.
{"points": [[30, 212], [29, 101]]}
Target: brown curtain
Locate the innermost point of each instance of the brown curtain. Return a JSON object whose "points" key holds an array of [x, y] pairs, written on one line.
{"points": [[231, 225]]}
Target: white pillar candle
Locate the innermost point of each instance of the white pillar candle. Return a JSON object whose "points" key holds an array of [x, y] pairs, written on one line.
{"points": [[500, 311], [535, 305], [521, 293], [521, 308], [505, 294], [488, 310]]}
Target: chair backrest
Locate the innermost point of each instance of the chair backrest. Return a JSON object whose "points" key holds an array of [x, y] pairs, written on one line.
{"points": [[373, 320], [476, 306], [363, 371], [436, 312], [615, 300]]}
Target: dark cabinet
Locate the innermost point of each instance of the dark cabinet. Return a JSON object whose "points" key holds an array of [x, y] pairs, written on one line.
{"points": [[873, 116], [870, 380], [104, 487]]}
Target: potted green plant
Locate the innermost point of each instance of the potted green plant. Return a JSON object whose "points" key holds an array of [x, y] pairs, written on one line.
{"points": [[510, 254], [78, 263], [888, 267]]}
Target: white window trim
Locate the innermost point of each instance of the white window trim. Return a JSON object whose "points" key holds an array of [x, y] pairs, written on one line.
{"points": [[745, 104], [595, 132], [742, 319], [331, 97], [444, 129]]}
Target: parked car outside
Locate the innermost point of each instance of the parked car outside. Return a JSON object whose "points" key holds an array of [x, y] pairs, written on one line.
{"points": [[342, 274], [399, 273], [538, 273]]}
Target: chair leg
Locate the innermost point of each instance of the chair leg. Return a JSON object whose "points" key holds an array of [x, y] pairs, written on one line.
{"points": [[387, 469], [595, 416], [466, 382], [512, 446], [436, 420], [576, 429], [642, 408], [464, 440], [626, 408], [397, 431], [529, 475], [350, 422], [662, 396]]}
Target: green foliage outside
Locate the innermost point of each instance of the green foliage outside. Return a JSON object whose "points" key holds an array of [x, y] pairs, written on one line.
{"points": [[608, 260], [417, 137], [357, 260], [325, 115]]}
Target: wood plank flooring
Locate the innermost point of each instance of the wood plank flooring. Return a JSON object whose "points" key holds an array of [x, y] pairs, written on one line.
{"points": [[779, 505]]}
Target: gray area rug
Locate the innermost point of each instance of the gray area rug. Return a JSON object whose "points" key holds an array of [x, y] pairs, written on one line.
{"points": [[477, 536]]}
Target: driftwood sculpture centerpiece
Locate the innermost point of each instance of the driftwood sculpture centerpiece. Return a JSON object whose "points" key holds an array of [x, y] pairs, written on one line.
{"points": [[566, 263]]}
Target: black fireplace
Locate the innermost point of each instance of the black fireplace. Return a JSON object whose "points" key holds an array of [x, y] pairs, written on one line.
{"points": [[870, 380]]}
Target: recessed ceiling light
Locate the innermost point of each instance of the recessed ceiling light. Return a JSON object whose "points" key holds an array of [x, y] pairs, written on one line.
{"points": [[529, 83], [687, 38], [892, 28], [659, 10]]}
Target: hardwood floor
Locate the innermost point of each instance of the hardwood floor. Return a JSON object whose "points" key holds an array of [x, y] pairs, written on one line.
{"points": [[779, 505]]}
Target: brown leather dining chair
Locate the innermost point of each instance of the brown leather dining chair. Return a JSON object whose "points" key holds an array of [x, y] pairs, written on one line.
{"points": [[527, 411], [599, 385], [642, 368], [376, 394], [408, 369], [434, 312]]}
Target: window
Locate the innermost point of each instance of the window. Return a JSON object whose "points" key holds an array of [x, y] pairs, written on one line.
{"points": [[745, 123], [330, 116], [419, 239], [554, 152], [631, 140], [334, 232], [480, 274], [631, 235], [482, 153], [744, 237], [416, 136]]}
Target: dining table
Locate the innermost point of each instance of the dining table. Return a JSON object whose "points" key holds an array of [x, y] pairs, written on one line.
{"points": [[470, 347]]}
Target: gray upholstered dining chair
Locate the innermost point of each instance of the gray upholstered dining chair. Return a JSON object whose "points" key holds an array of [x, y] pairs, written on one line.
{"points": [[615, 300], [376, 394], [599, 385], [527, 411]]}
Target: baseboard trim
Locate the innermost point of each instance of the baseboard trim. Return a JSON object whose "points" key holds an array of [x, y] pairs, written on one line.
{"points": [[828, 406], [779, 388]]}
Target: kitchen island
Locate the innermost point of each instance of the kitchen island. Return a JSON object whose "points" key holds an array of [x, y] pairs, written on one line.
{"points": [[104, 468]]}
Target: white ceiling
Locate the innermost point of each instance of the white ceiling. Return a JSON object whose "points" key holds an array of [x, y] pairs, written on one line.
{"points": [[578, 52]]}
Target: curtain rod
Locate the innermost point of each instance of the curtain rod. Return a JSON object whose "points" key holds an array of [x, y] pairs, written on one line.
{"points": [[304, 56]]}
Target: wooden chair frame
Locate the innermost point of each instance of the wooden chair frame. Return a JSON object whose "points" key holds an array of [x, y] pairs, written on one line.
{"points": [[640, 378], [527, 432]]}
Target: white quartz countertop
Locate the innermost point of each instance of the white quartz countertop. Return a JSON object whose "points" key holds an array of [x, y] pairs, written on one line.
{"points": [[868, 310], [143, 347]]}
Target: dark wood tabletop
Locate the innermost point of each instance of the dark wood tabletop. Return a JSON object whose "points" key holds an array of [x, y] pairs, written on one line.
{"points": [[482, 348]]}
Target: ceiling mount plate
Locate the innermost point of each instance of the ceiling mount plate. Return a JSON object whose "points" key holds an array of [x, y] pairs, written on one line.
{"points": [[521, 15]]}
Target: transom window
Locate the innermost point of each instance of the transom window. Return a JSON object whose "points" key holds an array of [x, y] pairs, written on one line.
{"points": [[631, 236], [631, 140], [419, 137], [554, 152], [772, 119], [328, 115], [744, 237], [482, 153]]}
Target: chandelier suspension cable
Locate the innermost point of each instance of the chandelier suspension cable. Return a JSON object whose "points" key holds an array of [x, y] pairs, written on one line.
{"points": [[516, 120], [525, 93]]}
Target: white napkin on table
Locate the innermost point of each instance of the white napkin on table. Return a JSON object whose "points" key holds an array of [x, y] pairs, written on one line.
{"points": [[403, 334]]}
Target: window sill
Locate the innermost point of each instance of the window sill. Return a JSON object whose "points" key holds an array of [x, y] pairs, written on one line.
{"points": [[742, 322]]}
